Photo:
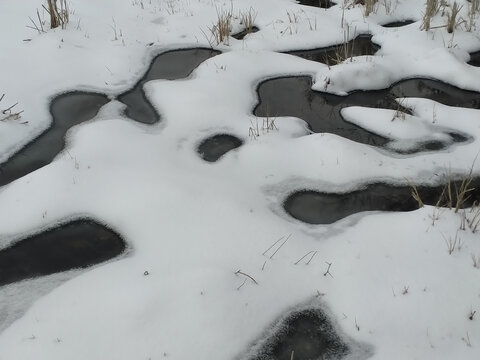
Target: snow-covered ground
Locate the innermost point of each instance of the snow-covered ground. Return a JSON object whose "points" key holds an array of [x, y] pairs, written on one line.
{"points": [[395, 288]]}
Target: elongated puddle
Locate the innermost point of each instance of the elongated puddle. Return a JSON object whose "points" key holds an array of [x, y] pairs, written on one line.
{"points": [[78, 244], [170, 65], [316, 207], [67, 110], [361, 45], [306, 335], [73, 108], [395, 24], [317, 3], [241, 35], [214, 147], [293, 96]]}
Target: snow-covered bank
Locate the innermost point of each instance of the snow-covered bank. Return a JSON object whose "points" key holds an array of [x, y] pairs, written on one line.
{"points": [[191, 224]]}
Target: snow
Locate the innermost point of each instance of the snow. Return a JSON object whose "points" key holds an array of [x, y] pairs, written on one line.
{"points": [[395, 288]]}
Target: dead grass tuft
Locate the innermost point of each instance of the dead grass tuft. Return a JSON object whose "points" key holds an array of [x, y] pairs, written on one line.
{"points": [[431, 9], [59, 16]]}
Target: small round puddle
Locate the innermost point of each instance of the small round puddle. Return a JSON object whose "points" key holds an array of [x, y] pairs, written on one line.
{"points": [[214, 147], [77, 244]]}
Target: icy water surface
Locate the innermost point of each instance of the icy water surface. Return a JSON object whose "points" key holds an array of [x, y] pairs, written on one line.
{"points": [[317, 3], [306, 334], [75, 107], [316, 207], [77, 244], [361, 45], [214, 147], [293, 96]]}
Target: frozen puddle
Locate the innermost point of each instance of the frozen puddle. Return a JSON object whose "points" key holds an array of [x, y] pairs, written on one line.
{"points": [[241, 35], [170, 65], [395, 24], [67, 110], [293, 96], [317, 3], [315, 207], [75, 107], [214, 147], [361, 45], [78, 244], [475, 59], [306, 334]]}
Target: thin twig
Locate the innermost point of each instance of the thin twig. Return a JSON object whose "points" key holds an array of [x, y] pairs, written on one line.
{"points": [[239, 272], [283, 243]]}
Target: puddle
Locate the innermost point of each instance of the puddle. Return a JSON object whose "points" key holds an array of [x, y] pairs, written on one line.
{"points": [[315, 207], [77, 244], [303, 335], [75, 107], [67, 110], [170, 65], [293, 96], [317, 3], [395, 24], [474, 59], [214, 147], [241, 35], [361, 45]]}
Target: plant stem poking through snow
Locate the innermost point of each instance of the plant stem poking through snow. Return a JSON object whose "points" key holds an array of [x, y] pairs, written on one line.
{"points": [[8, 113], [431, 9], [452, 17], [275, 243], [58, 17], [471, 314], [328, 270], [240, 272], [304, 256]]}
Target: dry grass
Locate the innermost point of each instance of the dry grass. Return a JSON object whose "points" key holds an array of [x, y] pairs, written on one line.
{"points": [[8, 113], [247, 19], [472, 14], [370, 7], [452, 17], [431, 9], [59, 16], [221, 29], [343, 51], [452, 243]]}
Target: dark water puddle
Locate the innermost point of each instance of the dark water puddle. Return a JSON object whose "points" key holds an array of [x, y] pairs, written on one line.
{"points": [[293, 96], [316, 207], [395, 24], [67, 110], [241, 35], [304, 335], [75, 107], [170, 65], [361, 45], [78, 244], [475, 59], [317, 3], [214, 147]]}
